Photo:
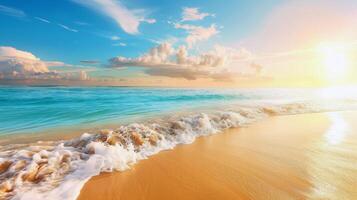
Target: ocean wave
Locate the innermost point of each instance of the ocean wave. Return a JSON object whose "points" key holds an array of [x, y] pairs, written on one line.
{"points": [[59, 169]]}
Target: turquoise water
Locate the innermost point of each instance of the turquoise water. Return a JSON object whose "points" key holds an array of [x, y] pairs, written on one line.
{"points": [[31, 109], [35, 109]]}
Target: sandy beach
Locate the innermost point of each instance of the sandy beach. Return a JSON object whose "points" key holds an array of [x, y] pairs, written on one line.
{"points": [[307, 156]]}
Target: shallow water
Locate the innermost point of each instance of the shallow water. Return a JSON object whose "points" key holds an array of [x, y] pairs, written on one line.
{"points": [[31, 109], [37, 109]]}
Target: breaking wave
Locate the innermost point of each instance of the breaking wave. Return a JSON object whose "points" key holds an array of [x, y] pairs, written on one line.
{"points": [[59, 169]]}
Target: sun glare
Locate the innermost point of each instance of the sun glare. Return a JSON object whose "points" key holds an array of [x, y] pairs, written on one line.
{"points": [[335, 60]]}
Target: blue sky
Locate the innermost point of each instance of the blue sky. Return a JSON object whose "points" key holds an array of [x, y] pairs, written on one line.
{"points": [[92, 41], [71, 31]]}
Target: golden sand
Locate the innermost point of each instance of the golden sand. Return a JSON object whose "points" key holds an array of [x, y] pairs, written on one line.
{"points": [[309, 156]]}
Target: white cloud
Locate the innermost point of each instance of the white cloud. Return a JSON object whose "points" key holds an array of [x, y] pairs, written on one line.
{"points": [[67, 28], [149, 21], [56, 64], [120, 44], [156, 56], [197, 33], [169, 39], [10, 52], [42, 20], [193, 14], [127, 19], [164, 60], [17, 64], [114, 37], [12, 11]]}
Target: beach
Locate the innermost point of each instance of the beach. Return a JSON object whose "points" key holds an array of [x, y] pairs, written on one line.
{"points": [[135, 143], [304, 156], [178, 100]]}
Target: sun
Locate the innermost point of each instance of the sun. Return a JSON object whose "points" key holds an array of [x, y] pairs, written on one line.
{"points": [[335, 60]]}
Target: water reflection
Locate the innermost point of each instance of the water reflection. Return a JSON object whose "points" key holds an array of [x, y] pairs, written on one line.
{"points": [[338, 129], [332, 165]]}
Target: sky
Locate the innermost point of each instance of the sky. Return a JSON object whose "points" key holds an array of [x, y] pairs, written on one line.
{"points": [[196, 43]]}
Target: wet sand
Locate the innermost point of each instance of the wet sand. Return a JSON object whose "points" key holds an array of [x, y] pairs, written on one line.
{"points": [[308, 156]]}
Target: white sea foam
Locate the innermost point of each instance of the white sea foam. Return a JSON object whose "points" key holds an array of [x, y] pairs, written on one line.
{"points": [[58, 170]]}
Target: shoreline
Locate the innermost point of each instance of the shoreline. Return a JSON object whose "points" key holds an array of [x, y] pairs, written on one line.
{"points": [[68, 133], [241, 163], [259, 136]]}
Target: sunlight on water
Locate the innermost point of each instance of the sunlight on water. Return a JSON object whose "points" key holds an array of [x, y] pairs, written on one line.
{"points": [[338, 130], [331, 164]]}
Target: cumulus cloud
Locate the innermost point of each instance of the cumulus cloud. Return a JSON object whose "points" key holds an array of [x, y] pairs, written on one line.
{"points": [[127, 19], [197, 33], [156, 56], [193, 14], [15, 63], [12, 11], [18, 64], [164, 60], [10, 52]]}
